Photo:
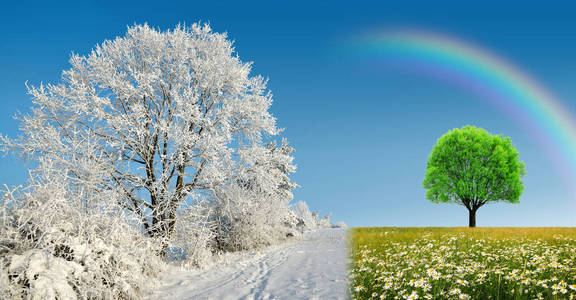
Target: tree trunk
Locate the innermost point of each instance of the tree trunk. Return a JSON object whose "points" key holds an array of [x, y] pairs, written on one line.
{"points": [[472, 218]]}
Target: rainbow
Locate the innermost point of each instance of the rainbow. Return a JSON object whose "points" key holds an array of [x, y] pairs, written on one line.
{"points": [[485, 73]]}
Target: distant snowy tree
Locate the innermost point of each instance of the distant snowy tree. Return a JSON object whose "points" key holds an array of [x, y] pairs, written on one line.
{"points": [[310, 220], [156, 117], [307, 220], [340, 225], [325, 222]]}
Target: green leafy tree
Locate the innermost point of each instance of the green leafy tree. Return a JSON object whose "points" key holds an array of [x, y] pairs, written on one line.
{"points": [[471, 167]]}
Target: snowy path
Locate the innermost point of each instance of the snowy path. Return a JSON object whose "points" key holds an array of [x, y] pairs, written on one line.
{"points": [[314, 267]]}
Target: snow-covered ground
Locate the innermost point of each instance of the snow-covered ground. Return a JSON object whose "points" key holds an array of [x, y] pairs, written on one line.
{"points": [[312, 267]]}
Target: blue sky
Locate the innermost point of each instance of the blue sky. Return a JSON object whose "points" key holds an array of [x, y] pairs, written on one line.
{"points": [[362, 134]]}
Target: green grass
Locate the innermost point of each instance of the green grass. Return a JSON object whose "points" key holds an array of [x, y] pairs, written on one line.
{"points": [[463, 263]]}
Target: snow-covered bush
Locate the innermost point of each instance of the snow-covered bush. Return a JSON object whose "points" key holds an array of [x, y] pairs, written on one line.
{"points": [[252, 210], [193, 238], [246, 220], [56, 244]]}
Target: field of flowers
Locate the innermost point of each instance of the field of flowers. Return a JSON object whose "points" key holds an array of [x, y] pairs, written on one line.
{"points": [[463, 263]]}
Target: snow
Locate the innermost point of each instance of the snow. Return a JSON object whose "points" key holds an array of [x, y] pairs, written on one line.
{"points": [[312, 267], [46, 274]]}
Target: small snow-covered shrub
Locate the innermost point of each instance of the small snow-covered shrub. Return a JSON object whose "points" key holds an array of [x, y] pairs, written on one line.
{"points": [[290, 224], [246, 219], [193, 235]]}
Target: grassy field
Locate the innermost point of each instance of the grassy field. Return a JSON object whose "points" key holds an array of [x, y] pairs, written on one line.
{"points": [[463, 263]]}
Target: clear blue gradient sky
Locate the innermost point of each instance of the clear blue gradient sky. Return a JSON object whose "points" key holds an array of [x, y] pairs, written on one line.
{"points": [[362, 134]]}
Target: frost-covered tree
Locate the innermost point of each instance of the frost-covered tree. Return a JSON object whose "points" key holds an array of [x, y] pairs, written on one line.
{"points": [[155, 116]]}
